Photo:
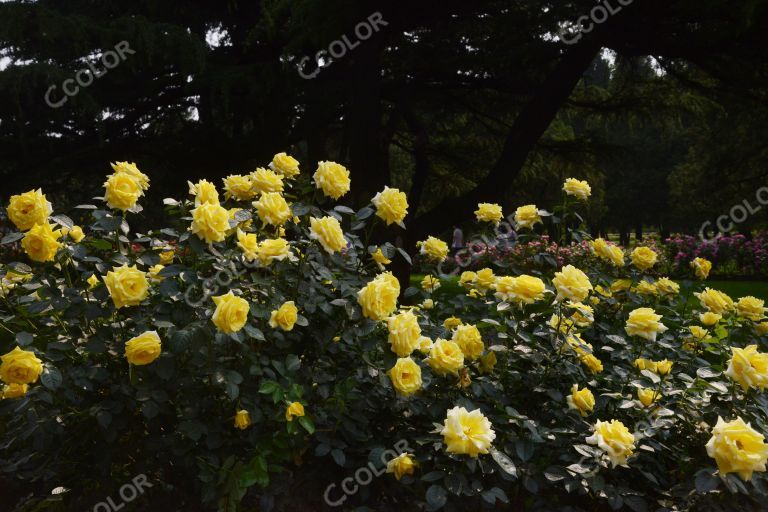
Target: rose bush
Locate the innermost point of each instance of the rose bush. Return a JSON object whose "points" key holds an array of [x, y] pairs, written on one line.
{"points": [[256, 354]]}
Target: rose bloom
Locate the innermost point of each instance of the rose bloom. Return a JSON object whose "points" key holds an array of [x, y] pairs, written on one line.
{"points": [[468, 278], [469, 340], [698, 333], [154, 273], [643, 258], [41, 242], [487, 362], [404, 333], [737, 448], [609, 253], [238, 187], [715, 300], [761, 328], [748, 367], [75, 233], [467, 433], [401, 465], [592, 363], [405, 376], [667, 287], [709, 318], [92, 281], [451, 322], [127, 286], [285, 316], [581, 400], [527, 216], [327, 231], [645, 364], [647, 396], [701, 267], [614, 439], [484, 279], [378, 298], [430, 283], [30, 208], [620, 285], [380, 259], [273, 209], [332, 179], [577, 188], [266, 180], [488, 212], [645, 323], [572, 284], [231, 313], [445, 357], [294, 410], [242, 419], [434, 249], [204, 192], [274, 249], [751, 308], [663, 367], [131, 170], [14, 391], [143, 349], [122, 191], [391, 205], [247, 243], [285, 165], [20, 367], [523, 289], [210, 222], [582, 315]]}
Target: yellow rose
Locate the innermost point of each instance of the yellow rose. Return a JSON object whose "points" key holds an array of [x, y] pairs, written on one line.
{"points": [[30, 208], [698, 333], [425, 345], [581, 400], [572, 284], [663, 367], [122, 191], [468, 279], [667, 287], [445, 357], [748, 367], [391, 205], [406, 376], [327, 231], [621, 285], [701, 267], [592, 363], [204, 192], [484, 279], [614, 439], [645, 323], [709, 318], [295, 410], [467, 433], [451, 323], [143, 349], [751, 308], [247, 243], [285, 316], [647, 396], [582, 315], [430, 283], [273, 209], [577, 188], [131, 170], [380, 259], [527, 216], [404, 333], [231, 313], [487, 362], [523, 289], [274, 249], [41, 242], [14, 391], [242, 419], [562, 324], [332, 179], [210, 222], [166, 257], [715, 301], [154, 273], [92, 281], [127, 286], [285, 165], [20, 367], [643, 258], [737, 448], [401, 465], [606, 252], [428, 304], [488, 212], [75, 234], [761, 328], [469, 340], [378, 298], [239, 187], [433, 249], [646, 288], [645, 364], [266, 180]]}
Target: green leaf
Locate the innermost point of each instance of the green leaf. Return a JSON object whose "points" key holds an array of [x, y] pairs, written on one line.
{"points": [[51, 377], [504, 462], [307, 423], [24, 338], [436, 496]]}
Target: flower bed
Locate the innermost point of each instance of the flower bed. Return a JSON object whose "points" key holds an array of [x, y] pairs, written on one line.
{"points": [[256, 354]]}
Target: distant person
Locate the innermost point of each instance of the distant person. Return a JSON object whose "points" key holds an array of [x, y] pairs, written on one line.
{"points": [[458, 240]]}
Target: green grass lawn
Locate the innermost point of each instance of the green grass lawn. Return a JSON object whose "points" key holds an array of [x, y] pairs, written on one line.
{"points": [[735, 289]]}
